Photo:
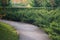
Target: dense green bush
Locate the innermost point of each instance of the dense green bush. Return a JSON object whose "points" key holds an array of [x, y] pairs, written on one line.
{"points": [[49, 20]]}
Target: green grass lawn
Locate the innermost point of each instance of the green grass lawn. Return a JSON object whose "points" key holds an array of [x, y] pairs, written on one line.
{"points": [[7, 32]]}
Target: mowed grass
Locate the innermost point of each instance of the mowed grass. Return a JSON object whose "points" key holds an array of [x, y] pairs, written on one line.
{"points": [[7, 32]]}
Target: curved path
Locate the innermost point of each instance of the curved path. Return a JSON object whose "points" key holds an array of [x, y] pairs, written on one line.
{"points": [[27, 31]]}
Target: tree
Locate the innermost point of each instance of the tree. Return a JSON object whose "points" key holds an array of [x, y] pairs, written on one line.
{"points": [[57, 3], [40, 3], [35, 3], [45, 3], [5, 3]]}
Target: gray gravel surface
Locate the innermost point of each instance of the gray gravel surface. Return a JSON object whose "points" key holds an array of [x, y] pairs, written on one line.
{"points": [[27, 31]]}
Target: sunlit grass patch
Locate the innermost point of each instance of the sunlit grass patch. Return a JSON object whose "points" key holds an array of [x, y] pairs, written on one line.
{"points": [[7, 32]]}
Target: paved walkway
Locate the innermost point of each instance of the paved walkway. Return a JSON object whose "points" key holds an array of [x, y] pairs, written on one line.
{"points": [[27, 31]]}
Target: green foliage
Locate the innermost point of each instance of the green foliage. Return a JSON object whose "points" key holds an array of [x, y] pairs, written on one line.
{"points": [[4, 3], [7, 32], [38, 3], [45, 3], [47, 19], [35, 3], [57, 3]]}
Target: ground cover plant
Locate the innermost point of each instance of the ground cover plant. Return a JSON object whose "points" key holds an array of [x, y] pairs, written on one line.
{"points": [[45, 14], [7, 32], [47, 19]]}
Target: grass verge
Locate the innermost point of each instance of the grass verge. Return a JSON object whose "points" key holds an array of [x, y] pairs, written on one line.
{"points": [[7, 32]]}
